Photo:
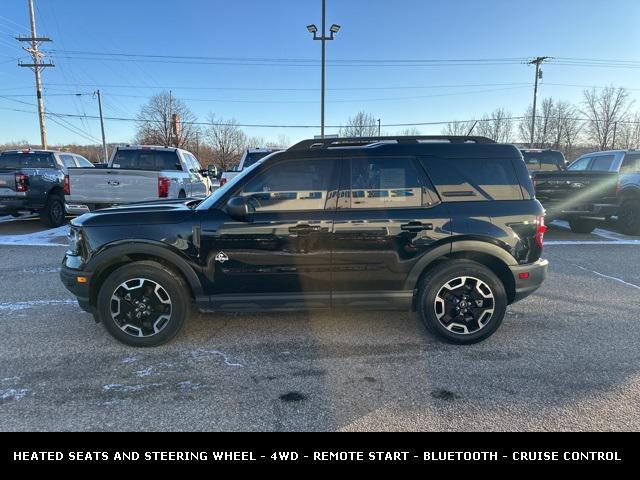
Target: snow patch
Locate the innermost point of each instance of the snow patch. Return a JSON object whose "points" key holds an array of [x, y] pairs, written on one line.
{"points": [[201, 353], [118, 387], [38, 239], [13, 393], [17, 306], [145, 372]]}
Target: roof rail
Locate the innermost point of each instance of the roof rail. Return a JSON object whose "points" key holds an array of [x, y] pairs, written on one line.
{"points": [[365, 141]]}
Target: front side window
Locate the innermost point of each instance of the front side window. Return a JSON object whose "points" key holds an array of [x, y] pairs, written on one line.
{"points": [[580, 164], [630, 164], [602, 163], [384, 183], [291, 185], [68, 161]]}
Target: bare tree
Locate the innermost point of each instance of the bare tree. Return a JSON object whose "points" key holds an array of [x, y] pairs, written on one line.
{"points": [[544, 124], [410, 132], [629, 133], [457, 128], [157, 125], [498, 126], [604, 110], [362, 124], [227, 141]]}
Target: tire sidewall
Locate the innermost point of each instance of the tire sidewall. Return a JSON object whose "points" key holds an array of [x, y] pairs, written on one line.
{"points": [[447, 272], [173, 285], [52, 202], [628, 209]]}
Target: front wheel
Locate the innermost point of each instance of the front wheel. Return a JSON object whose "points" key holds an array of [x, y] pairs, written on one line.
{"points": [[143, 304], [462, 302], [629, 217], [582, 225]]}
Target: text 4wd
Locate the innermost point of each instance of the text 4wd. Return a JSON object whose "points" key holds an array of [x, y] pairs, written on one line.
{"points": [[448, 228]]}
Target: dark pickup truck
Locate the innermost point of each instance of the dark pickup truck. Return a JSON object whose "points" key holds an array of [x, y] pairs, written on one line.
{"points": [[33, 181], [594, 187]]}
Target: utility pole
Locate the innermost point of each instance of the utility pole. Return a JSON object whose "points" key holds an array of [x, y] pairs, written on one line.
{"points": [[104, 142], [537, 62], [37, 67], [323, 38], [379, 135]]}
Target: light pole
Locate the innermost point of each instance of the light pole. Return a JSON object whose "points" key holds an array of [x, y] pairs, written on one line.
{"points": [[323, 38]]}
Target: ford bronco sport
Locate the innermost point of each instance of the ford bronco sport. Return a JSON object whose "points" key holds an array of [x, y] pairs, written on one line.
{"points": [[446, 226]]}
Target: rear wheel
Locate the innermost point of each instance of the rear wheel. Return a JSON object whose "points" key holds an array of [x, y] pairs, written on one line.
{"points": [[182, 194], [143, 304], [462, 302], [629, 217], [53, 213], [582, 225]]}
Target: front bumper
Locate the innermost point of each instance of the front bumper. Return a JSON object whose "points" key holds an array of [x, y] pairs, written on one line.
{"points": [[535, 274], [69, 277]]}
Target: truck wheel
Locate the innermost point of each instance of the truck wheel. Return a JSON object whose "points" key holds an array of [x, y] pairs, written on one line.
{"points": [[462, 302], [182, 194], [53, 213], [582, 225], [143, 304], [629, 217]]}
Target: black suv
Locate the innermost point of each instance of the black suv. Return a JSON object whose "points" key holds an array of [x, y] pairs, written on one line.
{"points": [[446, 226]]}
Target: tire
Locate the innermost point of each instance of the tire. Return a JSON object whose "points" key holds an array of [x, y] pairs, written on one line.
{"points": [[462, 280], [53, 214], [182, 194], [629, 217], [164, 293], [582, 225]]}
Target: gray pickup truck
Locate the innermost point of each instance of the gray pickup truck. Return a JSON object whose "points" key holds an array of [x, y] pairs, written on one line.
{"points": [[33, 181], [137, 173], [595, 186]]}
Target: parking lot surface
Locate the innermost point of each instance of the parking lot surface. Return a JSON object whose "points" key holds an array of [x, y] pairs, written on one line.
{"points": [[566, 358]]}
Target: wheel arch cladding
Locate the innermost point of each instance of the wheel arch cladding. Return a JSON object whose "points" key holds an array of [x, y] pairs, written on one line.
{"points": [[111, 259]]}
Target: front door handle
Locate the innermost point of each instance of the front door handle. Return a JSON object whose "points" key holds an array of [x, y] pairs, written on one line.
{"points": [[416, 226], [303, 228]]}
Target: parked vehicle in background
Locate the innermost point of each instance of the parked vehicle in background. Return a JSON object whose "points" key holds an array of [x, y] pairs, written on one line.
{"points": [[32, 181], [595, 186], [136, 174], [447, 226], [249, 157], [537, 159]]}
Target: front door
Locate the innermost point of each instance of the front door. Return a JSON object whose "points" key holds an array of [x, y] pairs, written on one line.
{"points": [[388, 217], [281, 257]]}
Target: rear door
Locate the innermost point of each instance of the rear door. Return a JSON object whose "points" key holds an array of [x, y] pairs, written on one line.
{"points": [[281, 257], [388, 216]]}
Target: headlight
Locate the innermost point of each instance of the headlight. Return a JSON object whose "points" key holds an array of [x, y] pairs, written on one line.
{"points": [[75, 239]]}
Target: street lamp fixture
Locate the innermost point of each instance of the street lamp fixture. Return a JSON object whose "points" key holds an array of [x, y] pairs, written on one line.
{"points": [[323, 38]]}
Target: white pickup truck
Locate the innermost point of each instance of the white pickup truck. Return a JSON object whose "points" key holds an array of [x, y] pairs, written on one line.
{"points": [[137, 173], [250, 156]]}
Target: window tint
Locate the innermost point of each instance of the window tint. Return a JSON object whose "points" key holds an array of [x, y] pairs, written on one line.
{"points": [[602, 163], [543, 160], [26, 160], [253, 157], [470, 179], [291, 185], [83, 162], [385, 183], [630, 164], [155, 160], [68, 160], [580, 164]]}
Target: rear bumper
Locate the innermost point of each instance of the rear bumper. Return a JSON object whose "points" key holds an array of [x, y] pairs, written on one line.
{"points": [[69, 278], [535, 274], [18, 203]]}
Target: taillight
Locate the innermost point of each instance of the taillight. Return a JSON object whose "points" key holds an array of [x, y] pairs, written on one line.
{"points": [[223, 181], [66, 185], [540, 229], [22, 182], [163, 187]]}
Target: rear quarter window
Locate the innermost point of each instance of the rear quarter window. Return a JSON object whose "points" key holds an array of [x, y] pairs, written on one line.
{"points": [[473, 179]]}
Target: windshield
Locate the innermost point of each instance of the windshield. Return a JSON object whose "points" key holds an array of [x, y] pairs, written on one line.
{"points": [[219, 193]]}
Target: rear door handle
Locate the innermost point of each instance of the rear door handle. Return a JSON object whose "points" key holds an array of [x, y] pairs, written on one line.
{"points": [[416, 226]]}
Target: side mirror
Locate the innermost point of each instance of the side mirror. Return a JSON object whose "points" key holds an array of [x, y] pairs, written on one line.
{"points": [[212, 170], [238, 208]]}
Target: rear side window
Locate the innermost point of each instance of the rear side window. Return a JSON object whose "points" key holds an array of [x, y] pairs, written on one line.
{"points": [[26, 160], [155, 160], [602, 163], [580, 164], [472, 179]]}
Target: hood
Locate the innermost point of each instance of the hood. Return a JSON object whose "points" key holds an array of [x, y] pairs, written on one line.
{"points": [[157, 212]]}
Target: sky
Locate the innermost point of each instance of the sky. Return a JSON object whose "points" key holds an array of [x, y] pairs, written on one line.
{"points": [[254, 61]]}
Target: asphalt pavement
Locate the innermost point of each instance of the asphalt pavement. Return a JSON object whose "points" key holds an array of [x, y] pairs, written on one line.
{"points": [[566, 358]]}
